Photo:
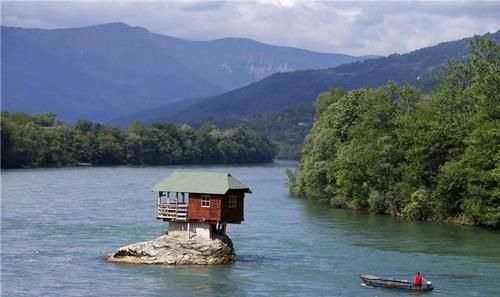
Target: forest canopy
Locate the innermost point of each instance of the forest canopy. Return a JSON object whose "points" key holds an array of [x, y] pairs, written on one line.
{"points": [[42, 140], [394, 150]]}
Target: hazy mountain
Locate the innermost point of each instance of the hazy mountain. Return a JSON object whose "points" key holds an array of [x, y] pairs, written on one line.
{"points": [[104, 71], [421, 67]]}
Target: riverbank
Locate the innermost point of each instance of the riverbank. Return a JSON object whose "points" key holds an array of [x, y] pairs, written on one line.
{"points": [[458, 220]]}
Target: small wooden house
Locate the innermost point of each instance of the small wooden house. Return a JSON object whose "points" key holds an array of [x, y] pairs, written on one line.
{"points": [[201, 203]]}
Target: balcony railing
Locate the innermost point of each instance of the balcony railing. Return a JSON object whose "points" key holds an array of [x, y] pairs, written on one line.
{"points": [[172, 212]]}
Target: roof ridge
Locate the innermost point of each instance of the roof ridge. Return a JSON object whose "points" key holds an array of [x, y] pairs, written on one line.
{"points": [[199, 182]]}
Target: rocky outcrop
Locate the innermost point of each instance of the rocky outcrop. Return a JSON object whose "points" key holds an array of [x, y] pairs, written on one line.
{"points": [[177, 249]]}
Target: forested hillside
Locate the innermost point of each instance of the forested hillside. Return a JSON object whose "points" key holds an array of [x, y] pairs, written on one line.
{"points": [[42, 140], [394, 150], [288, 126], [421, 68]]}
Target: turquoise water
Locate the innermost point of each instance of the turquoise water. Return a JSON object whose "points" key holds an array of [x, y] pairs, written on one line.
{"points": [[58, 224]]}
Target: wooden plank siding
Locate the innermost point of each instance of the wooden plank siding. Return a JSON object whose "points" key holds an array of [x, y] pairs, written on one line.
{"points": [[219, 210], [233, 215], [199, 213]]}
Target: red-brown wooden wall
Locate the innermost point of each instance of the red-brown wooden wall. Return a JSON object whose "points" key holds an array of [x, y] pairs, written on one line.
{"points": [[212, 213], [233, 215], [218, 210]]}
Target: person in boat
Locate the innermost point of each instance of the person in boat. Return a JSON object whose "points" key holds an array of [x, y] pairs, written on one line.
{"points": [[417, 281]]}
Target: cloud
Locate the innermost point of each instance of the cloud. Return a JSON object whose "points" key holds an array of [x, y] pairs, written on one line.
{"points": [[370, 27], [201, 6]]}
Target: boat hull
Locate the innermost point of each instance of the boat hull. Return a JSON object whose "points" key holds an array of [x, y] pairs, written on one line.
{"points": [[376, 281]]}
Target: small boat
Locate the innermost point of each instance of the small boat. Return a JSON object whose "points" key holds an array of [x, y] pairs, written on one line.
{"points": [[376, 281]]}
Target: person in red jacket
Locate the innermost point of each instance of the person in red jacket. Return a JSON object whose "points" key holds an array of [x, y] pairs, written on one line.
{"points": [[417, 281]]}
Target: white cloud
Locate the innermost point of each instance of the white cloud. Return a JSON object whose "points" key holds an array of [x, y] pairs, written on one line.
{"points": [[371, 27]]}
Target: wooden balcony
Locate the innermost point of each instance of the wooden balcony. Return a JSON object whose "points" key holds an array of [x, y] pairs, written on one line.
{"points": [[172, 212]]}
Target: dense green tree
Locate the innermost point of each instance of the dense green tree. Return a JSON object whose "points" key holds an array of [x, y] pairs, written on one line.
{"points": [[394, 150], [110, 148], [134, 144], [468, 186], [9, 158], [41, 140], [206, 142], [481, 161], [187, 141]]}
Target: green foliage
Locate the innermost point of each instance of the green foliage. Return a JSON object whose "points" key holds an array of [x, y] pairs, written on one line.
{"points": [[418, 208], [396, 151], [481, 161], [450, 189], [376, 202], [41, 140], [468, 185]]}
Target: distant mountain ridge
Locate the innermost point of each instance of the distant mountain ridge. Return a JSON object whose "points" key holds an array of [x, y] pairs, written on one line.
{"points": [[421, 67], [102, 72]]}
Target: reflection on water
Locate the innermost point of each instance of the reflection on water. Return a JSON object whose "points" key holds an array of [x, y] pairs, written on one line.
{"points": [[396, 234], [285, 247]]}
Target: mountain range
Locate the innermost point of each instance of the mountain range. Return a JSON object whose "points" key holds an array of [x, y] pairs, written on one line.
{"points": [[106, 71], [421, 67]]}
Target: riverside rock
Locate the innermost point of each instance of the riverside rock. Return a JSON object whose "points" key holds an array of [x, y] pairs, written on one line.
{"points": [[177, 249]]}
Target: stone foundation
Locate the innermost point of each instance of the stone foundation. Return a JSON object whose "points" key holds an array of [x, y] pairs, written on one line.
{"points": [[176, 249]]}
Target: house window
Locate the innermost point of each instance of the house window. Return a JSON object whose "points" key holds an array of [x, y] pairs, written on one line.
{"points": [[205, 201], [231, 201]]}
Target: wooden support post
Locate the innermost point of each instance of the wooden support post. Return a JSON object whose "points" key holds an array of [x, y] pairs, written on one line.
{"points": [[158, 201], [189, 231], [176, 204], [158, 204]]}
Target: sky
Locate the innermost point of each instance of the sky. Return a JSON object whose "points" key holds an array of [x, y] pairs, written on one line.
{"points": [[349, 27]]}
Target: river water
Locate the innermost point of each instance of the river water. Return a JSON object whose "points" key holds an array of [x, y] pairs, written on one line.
{"points": [[57, 225]]}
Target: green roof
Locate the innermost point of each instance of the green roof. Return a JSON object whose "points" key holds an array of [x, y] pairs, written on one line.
{"points": [[199, 182]]}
